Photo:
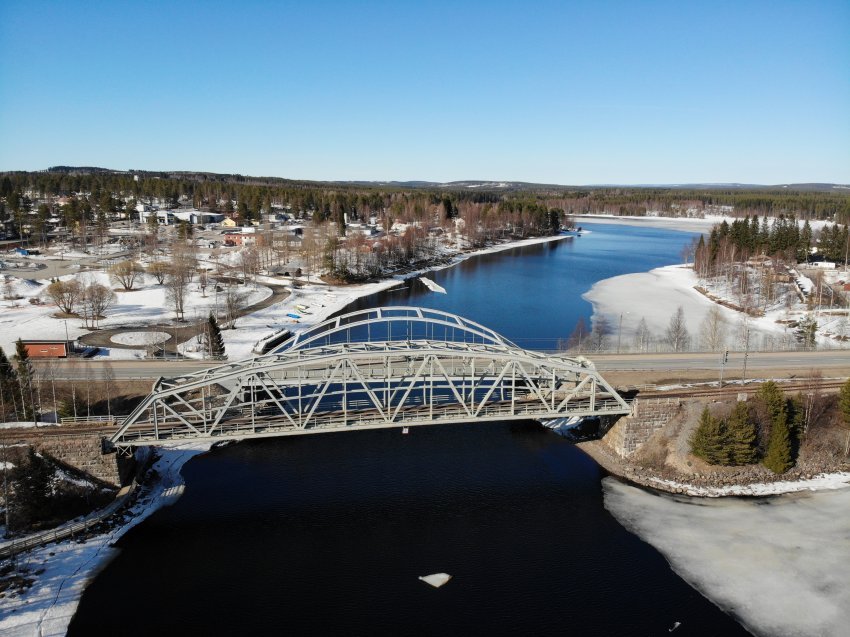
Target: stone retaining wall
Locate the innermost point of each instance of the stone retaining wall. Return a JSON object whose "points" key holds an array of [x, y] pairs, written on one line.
{"points": [[648, 416], [80, 451]]}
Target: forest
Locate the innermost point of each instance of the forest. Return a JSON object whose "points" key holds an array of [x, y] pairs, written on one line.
{"points": [[359, 201]]}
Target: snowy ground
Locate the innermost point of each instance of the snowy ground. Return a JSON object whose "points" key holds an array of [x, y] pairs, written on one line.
{"points": [[779, 565], [147, 305], [689, 224], [140, 338], [48, 606], [656, 295]]}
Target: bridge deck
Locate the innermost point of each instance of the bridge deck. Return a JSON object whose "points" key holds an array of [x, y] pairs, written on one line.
{"points": [[344, 386]]}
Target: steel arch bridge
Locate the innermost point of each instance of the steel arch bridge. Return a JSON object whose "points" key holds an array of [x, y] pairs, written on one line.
{"points": [[377, 368]]}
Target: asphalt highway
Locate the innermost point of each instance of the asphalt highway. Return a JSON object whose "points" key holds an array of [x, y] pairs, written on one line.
{"points": [[833, 362]]}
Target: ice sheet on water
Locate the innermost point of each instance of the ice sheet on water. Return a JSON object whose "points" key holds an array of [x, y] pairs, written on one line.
{"points": [[436, 579], [432, 285], [778, 564]]}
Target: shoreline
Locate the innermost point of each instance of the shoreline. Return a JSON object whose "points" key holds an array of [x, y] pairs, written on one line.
{"points": [[326, 300], [639, 476], [62, 570]]}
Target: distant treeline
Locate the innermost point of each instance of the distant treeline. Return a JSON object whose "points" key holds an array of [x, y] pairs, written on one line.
{"points": [[782, 238], [254, 194]]}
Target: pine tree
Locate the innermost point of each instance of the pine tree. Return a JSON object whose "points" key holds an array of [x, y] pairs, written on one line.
{"points": [[777, 455], [8, 384], [215, 343], [25, 379], [32, 484], [742, 436], [844, 408], [710, 440]]}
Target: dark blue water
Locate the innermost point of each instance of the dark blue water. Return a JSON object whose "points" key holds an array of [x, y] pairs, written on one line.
{"points": [[327, 534], [532, 295]]}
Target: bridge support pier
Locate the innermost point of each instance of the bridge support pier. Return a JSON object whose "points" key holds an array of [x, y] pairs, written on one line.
{"points": [[82, 452], [631, 432]]}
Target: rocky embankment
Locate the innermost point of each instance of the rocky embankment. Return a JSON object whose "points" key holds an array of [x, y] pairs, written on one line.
{"points": [[652, 449], [741, 481]]}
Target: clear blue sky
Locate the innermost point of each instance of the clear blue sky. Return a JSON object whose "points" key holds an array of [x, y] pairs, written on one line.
{"points": [[560, 92]]}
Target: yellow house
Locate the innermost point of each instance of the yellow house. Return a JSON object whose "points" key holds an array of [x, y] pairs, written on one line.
{"points": [[228, 223]]}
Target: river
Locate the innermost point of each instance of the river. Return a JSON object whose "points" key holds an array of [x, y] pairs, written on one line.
{"points": [[327, 534]]}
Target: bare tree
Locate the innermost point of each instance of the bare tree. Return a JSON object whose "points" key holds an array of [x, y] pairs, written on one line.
{"points": [[676, 335], [814, 403], [643, 337], [249, 262], [96, 301], [203, 282], [159, 270], [176, 285], [233, 302], [125, 273], [599, 334], [108, 375], [579, 335], [9, 287], [65, 294], [712, 331]]}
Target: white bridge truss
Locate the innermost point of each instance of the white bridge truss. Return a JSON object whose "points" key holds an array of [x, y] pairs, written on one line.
{"points": [[328, 380]]}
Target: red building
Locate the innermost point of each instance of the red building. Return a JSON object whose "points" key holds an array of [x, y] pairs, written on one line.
{"points": [[48, 348]]}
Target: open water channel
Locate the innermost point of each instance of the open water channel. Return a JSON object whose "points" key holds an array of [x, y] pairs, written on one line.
{"points": [[327, 534]]}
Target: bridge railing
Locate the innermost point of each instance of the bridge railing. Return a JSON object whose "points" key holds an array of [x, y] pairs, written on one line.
{"points": [[175, 430], [88, 420]]}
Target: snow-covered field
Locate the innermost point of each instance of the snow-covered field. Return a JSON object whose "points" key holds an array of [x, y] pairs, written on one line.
{"points": [[147, 305], [143, 306], [779, 565], [656, 295], [689, 224], [137, 339], [47, 607]]}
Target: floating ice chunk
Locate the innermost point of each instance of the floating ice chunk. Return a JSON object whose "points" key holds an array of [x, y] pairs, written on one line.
{"points": [[432, 286], [436, 579]]}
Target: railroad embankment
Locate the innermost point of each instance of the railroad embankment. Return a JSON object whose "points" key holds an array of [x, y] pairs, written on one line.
{"points": [[651, 448]]}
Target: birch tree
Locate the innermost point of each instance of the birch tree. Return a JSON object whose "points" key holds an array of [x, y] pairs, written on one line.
{"points": [[676, 335]]}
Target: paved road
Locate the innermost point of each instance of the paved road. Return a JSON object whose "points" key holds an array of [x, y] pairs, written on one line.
{"points": [[833, 362]]}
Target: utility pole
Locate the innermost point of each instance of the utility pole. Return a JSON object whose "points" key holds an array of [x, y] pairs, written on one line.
{"points": [[746, 353], [723, 360]]}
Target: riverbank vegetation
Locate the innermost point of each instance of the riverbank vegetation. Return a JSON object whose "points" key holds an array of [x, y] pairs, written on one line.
{"points": [[774, 429], [753, 431]]}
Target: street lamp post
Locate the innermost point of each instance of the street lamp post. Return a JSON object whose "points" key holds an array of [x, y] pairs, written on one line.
{"points": [[620, 331]]}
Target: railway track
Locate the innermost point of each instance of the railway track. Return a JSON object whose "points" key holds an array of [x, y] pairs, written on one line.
{"points": [[792, 387]]}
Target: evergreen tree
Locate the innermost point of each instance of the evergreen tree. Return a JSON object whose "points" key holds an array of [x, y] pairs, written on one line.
{"points": [[32, 485], [8, 384], [741, 431], [215, 343], [844, 408], [777, 455], [25, 374], [710, 440]]}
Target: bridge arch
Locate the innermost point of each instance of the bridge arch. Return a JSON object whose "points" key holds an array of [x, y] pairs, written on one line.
{"points": [[320, 384], [394, 324]]}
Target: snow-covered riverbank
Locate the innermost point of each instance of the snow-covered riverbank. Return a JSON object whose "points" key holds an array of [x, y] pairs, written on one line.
{"points": [[656, 295], [61, 571], [322, 301]]}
